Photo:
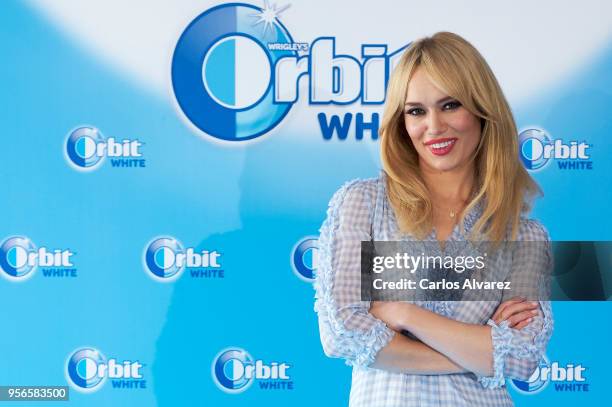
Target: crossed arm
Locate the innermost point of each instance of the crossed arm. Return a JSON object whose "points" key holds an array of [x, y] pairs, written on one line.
{"points": [[511, 345], [445, 346]]}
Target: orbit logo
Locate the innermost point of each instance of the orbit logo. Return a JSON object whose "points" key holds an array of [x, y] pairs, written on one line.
{"points": [[19, 257], [536, 383], [236, 73], [565, 378], [165, 258], [305, 258], [537, 148], [87, 370], [86, 149], [234, 370]]}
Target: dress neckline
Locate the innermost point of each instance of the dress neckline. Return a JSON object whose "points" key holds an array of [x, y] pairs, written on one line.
{"points": [[469, 220]]}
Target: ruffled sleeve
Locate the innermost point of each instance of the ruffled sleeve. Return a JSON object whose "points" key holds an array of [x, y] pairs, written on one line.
{"points": [[517, 353], [347, 329]]}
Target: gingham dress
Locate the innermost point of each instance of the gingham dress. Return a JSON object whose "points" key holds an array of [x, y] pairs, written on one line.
{"points": [[360, 211]]}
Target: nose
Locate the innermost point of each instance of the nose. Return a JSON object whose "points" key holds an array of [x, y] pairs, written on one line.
{"points": [[435, 124]]}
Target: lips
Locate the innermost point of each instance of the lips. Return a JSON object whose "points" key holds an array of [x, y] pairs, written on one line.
{"points": [[441, 146]]}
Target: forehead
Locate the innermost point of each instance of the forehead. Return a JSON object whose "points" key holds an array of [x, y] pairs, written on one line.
{"points": [[422, 89]]}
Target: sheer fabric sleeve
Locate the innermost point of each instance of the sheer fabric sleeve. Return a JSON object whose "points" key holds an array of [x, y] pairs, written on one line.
{"points": [[517, 353], [346, 328]]}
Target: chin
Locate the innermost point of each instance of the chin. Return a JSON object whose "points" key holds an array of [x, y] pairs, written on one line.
{"points": [[443, 165]]}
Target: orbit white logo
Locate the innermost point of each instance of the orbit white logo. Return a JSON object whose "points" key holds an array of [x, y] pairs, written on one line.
{"points": [[165, 258], [537, 148], [305, 258], [568, 378], [87, 369], [234, 370], [19, 257], [250, 67], [86, 148]]}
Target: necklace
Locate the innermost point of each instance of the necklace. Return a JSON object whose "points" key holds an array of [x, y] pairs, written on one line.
{"points": [[452, 212]]}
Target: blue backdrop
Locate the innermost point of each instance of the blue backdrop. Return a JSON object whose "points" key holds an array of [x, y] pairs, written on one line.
{"points": [[251, 202]]}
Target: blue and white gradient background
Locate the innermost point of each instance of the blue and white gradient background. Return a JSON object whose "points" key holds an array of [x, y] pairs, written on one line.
{"points": [[107, 64]]}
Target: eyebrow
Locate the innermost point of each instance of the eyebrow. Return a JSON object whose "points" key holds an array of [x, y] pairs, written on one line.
{"points": [[443, 100]]}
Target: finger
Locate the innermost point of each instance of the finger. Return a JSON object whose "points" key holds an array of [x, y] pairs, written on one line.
{"points": [[520, 317], [504, 305], [523, 324], [517, 308]]}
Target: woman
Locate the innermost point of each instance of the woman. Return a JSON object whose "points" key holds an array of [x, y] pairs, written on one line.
{"points": [[451, 173]]}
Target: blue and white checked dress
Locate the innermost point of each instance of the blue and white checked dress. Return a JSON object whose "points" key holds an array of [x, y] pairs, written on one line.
{"points": [[360, 211]]}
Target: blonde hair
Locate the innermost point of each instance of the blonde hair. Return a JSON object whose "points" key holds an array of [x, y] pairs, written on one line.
{"points": [[503, 186]]}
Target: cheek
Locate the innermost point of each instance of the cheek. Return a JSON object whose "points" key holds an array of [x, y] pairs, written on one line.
{"points": [[415, 129], [467, 126], [465, 122]]}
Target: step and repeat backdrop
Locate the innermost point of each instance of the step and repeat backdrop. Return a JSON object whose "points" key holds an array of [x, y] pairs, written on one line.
{"points": [[166, 166]]}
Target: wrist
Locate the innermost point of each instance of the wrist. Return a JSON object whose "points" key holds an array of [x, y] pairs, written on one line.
{"points": [[405, 320]]}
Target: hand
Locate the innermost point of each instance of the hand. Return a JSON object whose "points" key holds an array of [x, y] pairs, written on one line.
{"points": [[517, 311], [392, 313]]}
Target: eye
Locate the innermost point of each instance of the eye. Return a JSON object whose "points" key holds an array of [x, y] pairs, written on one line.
{"points": [[415, 111], [452, 105]]}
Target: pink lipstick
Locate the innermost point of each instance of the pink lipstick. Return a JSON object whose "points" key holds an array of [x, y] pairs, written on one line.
{"points": [[441, 146]]}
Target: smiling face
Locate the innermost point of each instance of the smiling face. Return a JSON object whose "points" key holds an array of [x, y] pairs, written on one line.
{"points": [[444, 133]]}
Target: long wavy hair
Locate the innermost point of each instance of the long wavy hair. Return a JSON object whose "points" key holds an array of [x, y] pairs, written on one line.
{"points": [[503, 186]]}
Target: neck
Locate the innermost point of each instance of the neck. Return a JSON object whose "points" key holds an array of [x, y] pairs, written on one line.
{"points": [[449, 186]]}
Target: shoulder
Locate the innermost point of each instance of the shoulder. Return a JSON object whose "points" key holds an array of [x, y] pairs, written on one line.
{"points": [[353, 204], [358, 192], [532, 230]]}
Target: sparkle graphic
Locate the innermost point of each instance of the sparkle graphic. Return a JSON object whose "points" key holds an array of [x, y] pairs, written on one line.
{"points": [[268, 15]]}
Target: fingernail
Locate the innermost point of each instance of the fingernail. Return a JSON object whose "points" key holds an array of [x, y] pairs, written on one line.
{"points": [[534, 303], [534, 312]]}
